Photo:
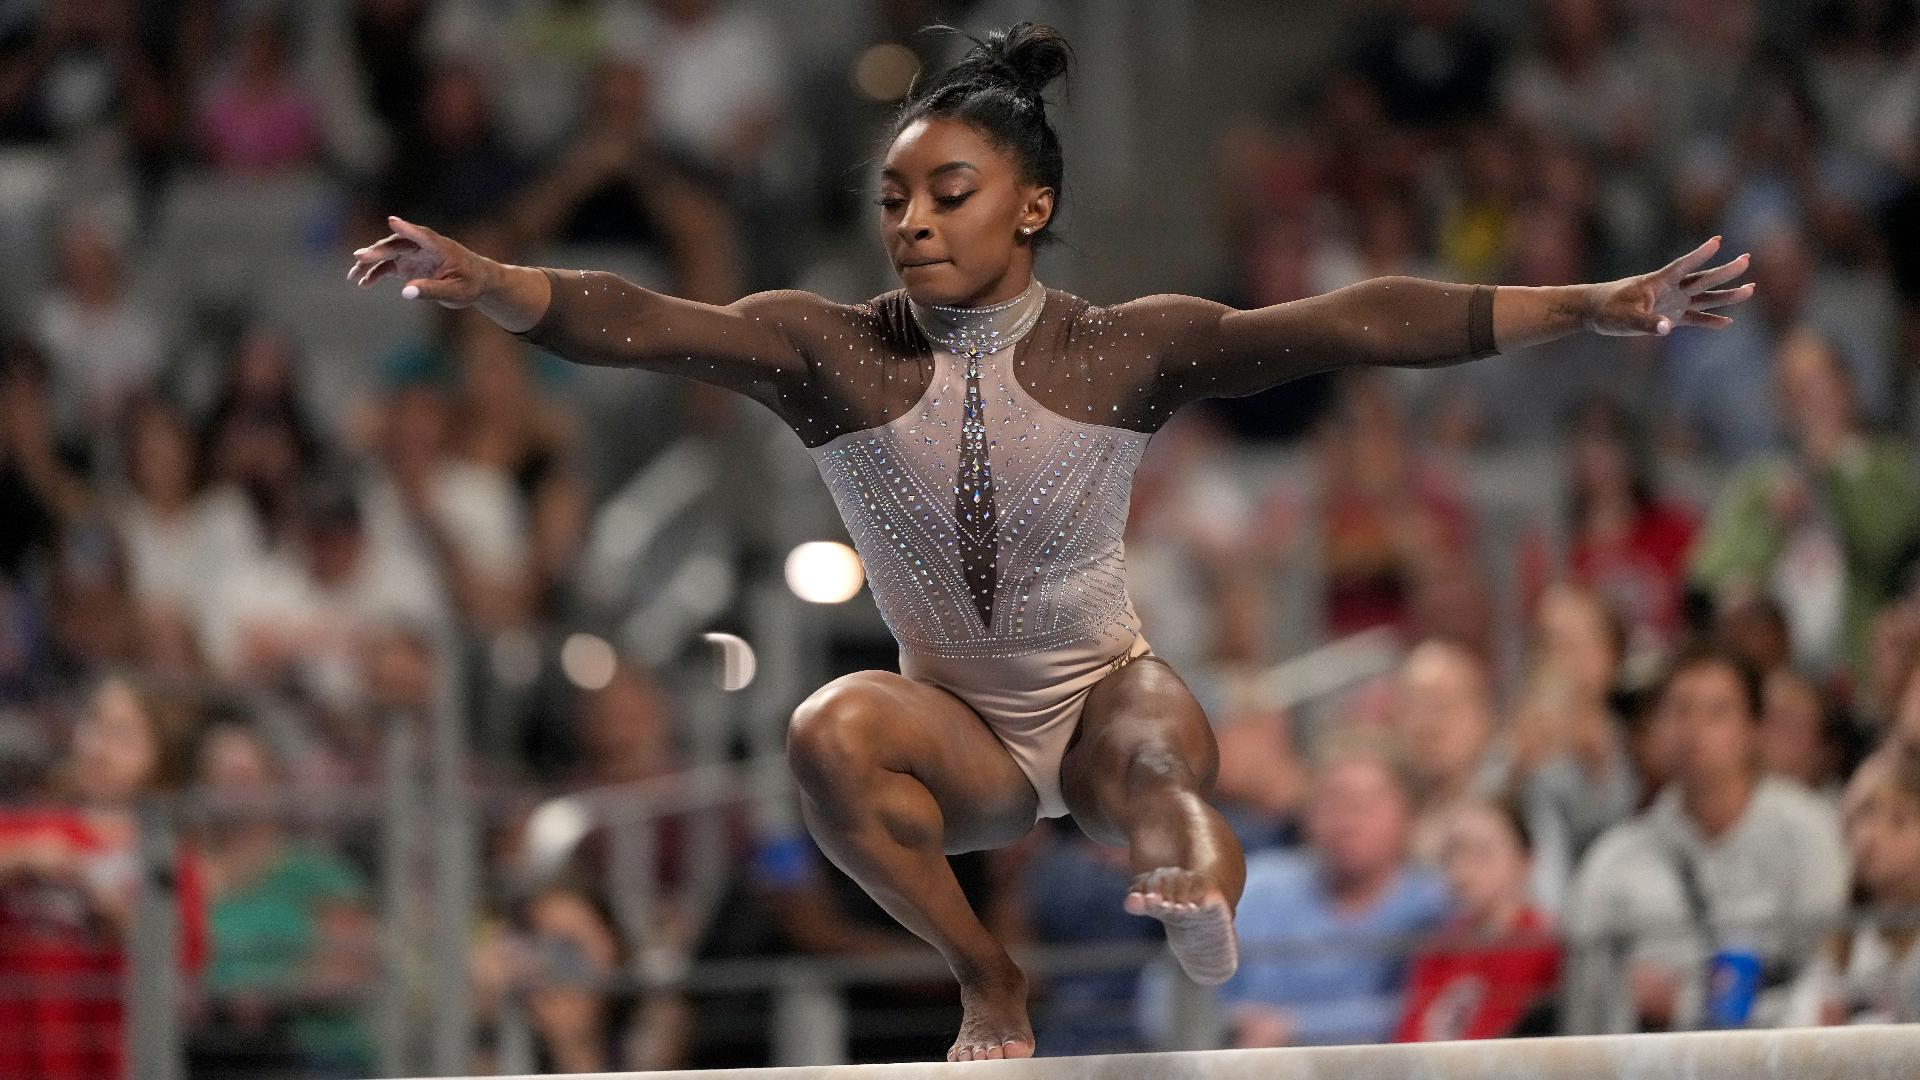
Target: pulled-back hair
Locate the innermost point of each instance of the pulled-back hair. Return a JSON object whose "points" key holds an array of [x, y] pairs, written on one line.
{"points": [[997, 87]]}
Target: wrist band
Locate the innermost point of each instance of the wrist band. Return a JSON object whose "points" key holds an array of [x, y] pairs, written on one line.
{"points": [[1480, 323]]}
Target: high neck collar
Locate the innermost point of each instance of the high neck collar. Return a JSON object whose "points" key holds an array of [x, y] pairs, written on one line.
{"points": [[988, 329]]}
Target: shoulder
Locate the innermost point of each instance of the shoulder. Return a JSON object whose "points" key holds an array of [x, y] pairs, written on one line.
{"points": [[1424, 894], [1629, 846], [810, 318], [1164, 313], [1276, 874], [1808, 815]]}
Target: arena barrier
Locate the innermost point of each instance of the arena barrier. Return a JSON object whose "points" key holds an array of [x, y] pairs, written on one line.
{"points": [[1839, 1053]]}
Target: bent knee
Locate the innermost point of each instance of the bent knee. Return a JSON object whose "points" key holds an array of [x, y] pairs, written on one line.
{"points": [[1159, 767], [840, 728]]}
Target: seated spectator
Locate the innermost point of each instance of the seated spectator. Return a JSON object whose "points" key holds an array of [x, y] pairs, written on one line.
{"points": [[1392, 521], [451, 520], [617, 184], [177, 533], [562, 950], [299, 614], [1495, 968], [1443, 705], [1574, 774], [1320, 928], [43, 488], [1824, 529], [1871, 974], [1623, 537], [292, 937], [260, 116], [104, 341], [1804, 738], [458, 168], [1726, 857], [71, 876]]}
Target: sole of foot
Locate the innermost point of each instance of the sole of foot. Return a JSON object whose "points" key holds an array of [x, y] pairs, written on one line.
{"points": [[1199, 923]]}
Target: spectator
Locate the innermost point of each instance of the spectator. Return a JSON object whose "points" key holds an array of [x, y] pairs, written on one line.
{"points": [[1619, 534], [71, 874], [1868, 974], [177, 532], [1574, 771], [447, 519], [291, 932], [1803, 738], [1392, 522], [104, 341], [1722, 386], [1726, 857], [1443, 704], [297, 617], [721, 79], [458, 169], [260, 117], [43, 490], [1822, 530], [1495, 968], [618, 184], [1334, 913], [1429, 63]]}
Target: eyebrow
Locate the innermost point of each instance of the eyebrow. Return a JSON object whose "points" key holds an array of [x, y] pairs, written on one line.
{"points": [[894, 174]]}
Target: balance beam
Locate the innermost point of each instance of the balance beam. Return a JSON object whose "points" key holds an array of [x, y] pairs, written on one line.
{"points": [[1846, 1053]]}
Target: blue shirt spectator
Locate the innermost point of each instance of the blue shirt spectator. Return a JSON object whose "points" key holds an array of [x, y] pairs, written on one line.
{"points": [[1338, 971], [1324, 932]]}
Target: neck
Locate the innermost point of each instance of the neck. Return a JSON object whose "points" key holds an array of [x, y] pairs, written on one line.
{"points": [[1717, 807], [1501, 919], [988, 327]]}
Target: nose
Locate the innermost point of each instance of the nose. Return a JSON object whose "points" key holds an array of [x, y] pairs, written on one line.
{"points": [[912, 227]]}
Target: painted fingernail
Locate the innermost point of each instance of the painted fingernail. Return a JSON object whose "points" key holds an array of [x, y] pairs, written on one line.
{"points": [[412, 292]]}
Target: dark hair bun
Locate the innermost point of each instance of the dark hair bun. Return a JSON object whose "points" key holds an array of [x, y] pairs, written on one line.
{"points": [[1028, 55]]}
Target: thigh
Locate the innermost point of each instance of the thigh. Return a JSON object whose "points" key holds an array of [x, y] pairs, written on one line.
{"points": [[1140, 723], [910, 727]]}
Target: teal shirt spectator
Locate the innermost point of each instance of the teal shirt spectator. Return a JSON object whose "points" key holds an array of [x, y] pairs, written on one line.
{"points": [[264, 935]]}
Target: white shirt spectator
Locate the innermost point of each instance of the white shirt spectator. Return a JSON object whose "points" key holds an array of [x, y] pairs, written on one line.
{"points": [[1780, 870], [174, 562], [477, 507]]}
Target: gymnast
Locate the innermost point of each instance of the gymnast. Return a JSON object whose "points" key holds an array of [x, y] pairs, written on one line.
{"points": [[978, 432]]}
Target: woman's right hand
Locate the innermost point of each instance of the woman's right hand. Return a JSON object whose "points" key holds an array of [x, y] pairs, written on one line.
{"points": [[431, 265]]}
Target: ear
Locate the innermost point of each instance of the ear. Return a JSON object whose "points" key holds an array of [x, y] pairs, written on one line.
{"points": [[1036, 210]]}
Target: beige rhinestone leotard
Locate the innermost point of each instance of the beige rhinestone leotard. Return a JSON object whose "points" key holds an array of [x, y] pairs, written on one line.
{"points": [[982, 458]]}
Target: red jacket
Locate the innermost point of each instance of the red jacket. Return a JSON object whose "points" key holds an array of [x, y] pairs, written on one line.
{"points": [[62, 975], [1479, 990]]}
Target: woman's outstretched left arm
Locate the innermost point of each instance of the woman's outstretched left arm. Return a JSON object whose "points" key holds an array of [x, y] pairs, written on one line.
{"points": [[1219, 351]]}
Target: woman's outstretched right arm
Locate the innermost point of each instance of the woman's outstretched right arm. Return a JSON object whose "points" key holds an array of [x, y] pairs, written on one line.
{"points": [[598, 318]]}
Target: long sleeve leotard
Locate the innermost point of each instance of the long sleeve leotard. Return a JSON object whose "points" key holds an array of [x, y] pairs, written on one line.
{"points": [[1063, 415]]}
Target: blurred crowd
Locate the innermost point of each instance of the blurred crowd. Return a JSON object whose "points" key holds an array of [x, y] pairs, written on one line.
{"points": [[250, 530]]}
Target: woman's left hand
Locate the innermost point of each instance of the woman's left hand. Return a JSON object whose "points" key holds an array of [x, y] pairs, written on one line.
{"points": [[1677, 294]]}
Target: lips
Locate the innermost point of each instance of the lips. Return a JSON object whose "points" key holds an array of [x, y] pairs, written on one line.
{"points": [[922, 262]]}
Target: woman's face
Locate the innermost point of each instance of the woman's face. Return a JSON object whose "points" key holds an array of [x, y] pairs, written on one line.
{"points": [[1883, 833], [115, 754], [234, 760], [1576, 640], [952, 207], [1485, 864]]}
